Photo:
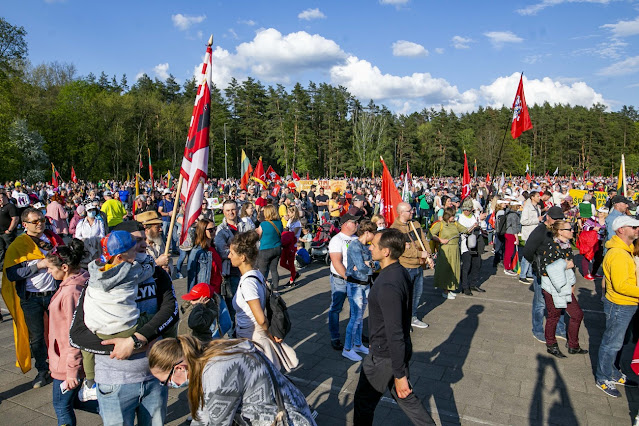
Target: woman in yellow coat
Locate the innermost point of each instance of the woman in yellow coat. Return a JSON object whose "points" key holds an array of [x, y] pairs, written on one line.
{"points": [[448, 267]]}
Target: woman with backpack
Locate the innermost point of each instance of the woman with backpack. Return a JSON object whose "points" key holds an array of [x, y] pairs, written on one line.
{"points": [[250, 301], [270, 232]]}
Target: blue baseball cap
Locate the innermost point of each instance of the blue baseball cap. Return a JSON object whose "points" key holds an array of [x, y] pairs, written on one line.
{"points": [[119, 242]]}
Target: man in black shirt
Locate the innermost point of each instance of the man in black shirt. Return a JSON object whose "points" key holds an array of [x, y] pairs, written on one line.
{"points": [[390, 309], [321, 201], [8, 222]]}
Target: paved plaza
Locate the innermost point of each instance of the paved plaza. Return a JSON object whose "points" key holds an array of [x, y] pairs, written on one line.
{"points": [[477, 363]]}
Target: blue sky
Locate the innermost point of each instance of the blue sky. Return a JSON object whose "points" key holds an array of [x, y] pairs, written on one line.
{"points": [[406, 54]]}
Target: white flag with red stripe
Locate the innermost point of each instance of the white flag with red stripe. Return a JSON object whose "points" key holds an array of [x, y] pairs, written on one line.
{"points": [[196, 153]]}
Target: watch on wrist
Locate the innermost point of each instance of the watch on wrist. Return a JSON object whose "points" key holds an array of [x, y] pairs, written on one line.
{"points": [[137, 344]]}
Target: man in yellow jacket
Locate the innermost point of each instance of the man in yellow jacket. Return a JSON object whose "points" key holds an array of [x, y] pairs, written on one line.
{"points": [[620, 302]]}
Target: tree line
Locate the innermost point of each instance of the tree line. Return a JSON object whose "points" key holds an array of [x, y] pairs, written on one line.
{"points": [[103, 127]]}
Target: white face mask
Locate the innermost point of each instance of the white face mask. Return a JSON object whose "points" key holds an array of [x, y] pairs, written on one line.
{"points": [[174, 385], [91, 214]]}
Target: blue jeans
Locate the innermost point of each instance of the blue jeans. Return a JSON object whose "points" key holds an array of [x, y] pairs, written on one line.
{"points": [[357, 299], [417, 284], [538, 310], [183, 256], [617, 319], [526, 268], [34, 308], [338, 295], [63, 404], [120, 403]]}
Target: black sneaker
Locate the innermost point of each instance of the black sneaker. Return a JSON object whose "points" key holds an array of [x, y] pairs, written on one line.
{"points": [[478, 289], [42, 379], [467, 292], [337, 345]]}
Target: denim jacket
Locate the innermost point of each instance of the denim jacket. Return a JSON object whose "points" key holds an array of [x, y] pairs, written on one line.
{"points": [[357, 254], [223, 237], [199, 267]]}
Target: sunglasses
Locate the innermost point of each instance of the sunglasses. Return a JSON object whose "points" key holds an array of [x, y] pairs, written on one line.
{"points": [[566, 229], [164, 383], [210, 229], [37, 221]]}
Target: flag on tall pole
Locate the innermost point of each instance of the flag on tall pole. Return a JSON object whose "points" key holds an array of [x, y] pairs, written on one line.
{"points": [[465, 179], [195, 162], [521, 119], [245, 171], [150, 168], [475, 169], [258, 175], [74, 178], [54, 176], [621, 180], [406, 187], [390, 196], [295, 176], [272, 175], [528, 178], [140, 165], [556, 171]]}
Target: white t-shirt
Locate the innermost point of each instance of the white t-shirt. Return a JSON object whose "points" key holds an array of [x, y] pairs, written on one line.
{"points": [[339, 244], [248, 289], [22, 199], [43, 280], [467, 222]]}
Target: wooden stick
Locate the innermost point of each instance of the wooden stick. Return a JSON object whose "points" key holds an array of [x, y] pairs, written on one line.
{"points": [[176, 207], [417, 236]]}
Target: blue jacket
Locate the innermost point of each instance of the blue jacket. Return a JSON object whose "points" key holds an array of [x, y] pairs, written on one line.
{"points": [[559, 283], [357, 254], [199, 267]]}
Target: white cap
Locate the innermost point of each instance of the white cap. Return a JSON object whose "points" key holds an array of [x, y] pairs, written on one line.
{"points": [[108, 193], [166, 191], [603, 209], [622, 221], [515, 203]]}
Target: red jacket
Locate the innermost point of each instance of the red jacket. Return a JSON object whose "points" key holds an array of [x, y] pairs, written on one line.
{"points": [[588, 243]]}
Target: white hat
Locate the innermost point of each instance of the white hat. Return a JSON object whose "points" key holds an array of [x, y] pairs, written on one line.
{"points": [[515, 203], [603, 209], [38, 206], [502, 201], [108, 193], [622, 221], [166, 191]]}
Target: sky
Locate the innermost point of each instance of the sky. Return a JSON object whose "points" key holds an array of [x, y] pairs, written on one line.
{"points": [[405, 54]]}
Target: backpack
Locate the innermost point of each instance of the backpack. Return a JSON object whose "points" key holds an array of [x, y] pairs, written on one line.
{"points": [[500, 226], [279, 321]]}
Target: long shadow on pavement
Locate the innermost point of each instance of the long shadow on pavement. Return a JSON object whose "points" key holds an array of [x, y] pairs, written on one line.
{"points": [[561, 411]]}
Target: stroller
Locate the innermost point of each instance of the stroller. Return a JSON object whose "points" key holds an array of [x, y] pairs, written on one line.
{"points": [[319, 245]]}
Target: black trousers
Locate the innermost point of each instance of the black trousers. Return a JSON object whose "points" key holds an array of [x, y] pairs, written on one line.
{"points": [[471, 264], [377, 376]]}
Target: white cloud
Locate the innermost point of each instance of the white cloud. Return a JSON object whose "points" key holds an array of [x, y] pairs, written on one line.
{"points": [[502, 92], [533, 59], [275, 57], [138, 75], [624, 28], [625, 67], [184, 22], [250, 22], [499, 38], [609, 49], [161, 71], [408, 48], [394, 2], [310, 14], [534, 8], [439, 50], [233, 33], [460, 42]]}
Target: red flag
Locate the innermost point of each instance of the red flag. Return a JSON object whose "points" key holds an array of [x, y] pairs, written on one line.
{"points": [[196, 153], [275, 191], [308, 176], [295, 176], [74, 178], [487, 178], [521, 118], [465, 179], [141, 165], [528, 178], [258, 175], [390, 196], [150, 168], [271, 175]]}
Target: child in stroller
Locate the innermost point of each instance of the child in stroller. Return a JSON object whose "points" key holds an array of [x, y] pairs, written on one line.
{"points": [[319, 245]]}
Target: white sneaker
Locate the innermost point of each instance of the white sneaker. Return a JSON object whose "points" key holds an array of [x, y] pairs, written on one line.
{"points": [[352, 355], [450, 295], [361, 349], [417, 323], [88, 393], [510, 273]]}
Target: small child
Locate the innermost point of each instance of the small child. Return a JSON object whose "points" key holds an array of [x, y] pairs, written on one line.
{"points": [[306, 238], [111, 293], [204, 315], [302, 257]]}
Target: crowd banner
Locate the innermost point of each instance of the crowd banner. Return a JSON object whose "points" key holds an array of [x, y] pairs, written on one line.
{"points": [[578, 194], [329, 186]]}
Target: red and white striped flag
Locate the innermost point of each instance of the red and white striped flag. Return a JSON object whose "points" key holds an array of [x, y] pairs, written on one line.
{"points": [[196, 153]]}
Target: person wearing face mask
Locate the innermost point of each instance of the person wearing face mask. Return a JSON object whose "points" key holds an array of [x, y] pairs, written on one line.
{"points": [[78, 213], [90, 230], [251, 397]]}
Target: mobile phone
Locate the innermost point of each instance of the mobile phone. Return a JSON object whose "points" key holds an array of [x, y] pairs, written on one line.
{"points": [[63, 387]]}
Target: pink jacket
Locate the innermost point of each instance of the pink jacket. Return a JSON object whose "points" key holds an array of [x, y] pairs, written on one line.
{"points": [[58, 217], [65, 360]]}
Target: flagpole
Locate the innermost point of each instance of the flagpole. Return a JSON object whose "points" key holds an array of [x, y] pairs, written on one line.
{"points": [[625, 182], [501, 147]]}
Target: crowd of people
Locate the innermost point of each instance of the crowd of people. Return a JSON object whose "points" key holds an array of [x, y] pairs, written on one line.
{"points": [[98, 262]]}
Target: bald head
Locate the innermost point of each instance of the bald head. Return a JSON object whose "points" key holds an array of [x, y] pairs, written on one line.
{"points": [[404, 212]]}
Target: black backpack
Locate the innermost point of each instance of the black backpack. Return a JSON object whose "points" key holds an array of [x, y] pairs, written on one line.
{"points": [[500, 226], [279, 322]]}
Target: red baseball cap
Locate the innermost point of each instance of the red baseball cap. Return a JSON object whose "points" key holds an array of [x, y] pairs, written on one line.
{"points": [[198, 290]]}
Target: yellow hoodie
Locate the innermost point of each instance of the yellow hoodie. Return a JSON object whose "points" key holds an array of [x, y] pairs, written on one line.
{"points": [[619, 269]]}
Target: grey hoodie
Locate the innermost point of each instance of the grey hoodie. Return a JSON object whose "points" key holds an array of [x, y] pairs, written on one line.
{"points": [[111, 293]]}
